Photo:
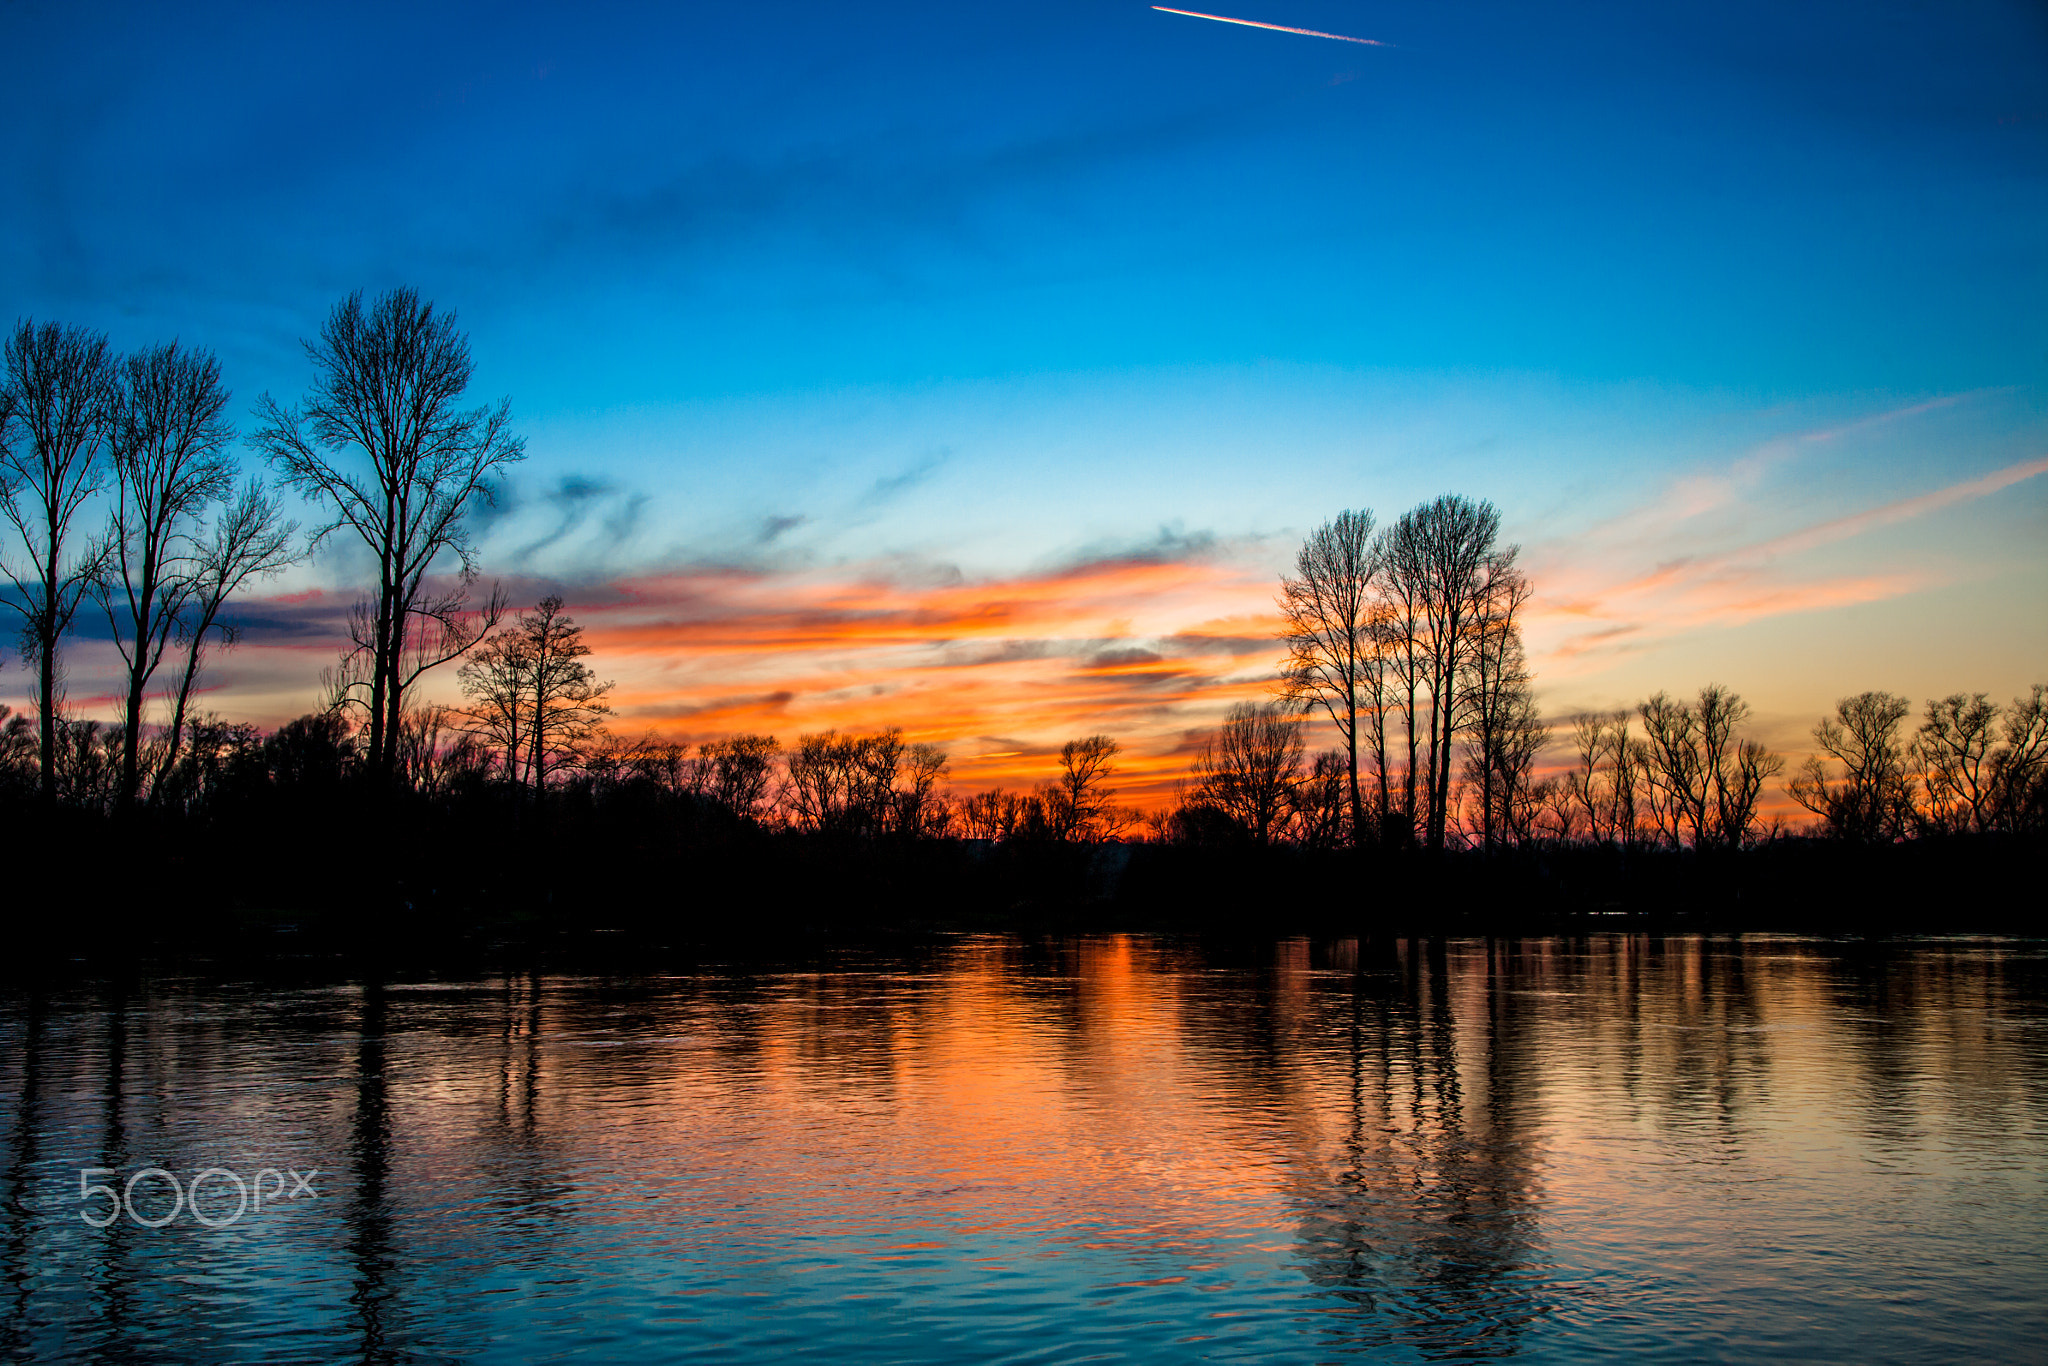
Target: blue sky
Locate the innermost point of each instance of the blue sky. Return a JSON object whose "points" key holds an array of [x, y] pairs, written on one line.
{"points": [[970, 291]]}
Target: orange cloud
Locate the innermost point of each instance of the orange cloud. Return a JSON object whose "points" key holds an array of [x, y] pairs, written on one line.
{"points": [[999, 671]]}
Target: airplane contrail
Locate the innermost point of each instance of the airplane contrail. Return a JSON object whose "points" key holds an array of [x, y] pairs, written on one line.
{"points": [[1278, 28]]}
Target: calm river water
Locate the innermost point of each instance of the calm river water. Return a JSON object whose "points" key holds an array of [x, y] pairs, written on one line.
{"points": [[1559, 1149]]}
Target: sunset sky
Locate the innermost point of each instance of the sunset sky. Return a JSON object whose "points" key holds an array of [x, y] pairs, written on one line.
{"points": [[977, 369]]}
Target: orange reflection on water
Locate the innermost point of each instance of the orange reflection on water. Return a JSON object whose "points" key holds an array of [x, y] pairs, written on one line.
{"points": [[1426, 1147]]}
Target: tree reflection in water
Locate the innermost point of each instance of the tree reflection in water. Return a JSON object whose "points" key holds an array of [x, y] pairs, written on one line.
{"points": [[1384, 1149]]}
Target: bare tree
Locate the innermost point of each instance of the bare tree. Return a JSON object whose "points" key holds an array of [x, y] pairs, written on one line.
{"points": [[1503, 730], [871, 787], [1319, 804], [1398, 636], [819, 777], [17, 751], [865, 785], [250, 537], [437, 753], [1874, 799], [88, 764], [60, 399], [1332, 655], [388, 381], [168, 442], [2020, 766], [992, 815], [211, 749], [1603, 788], [495, 678], [737, 773], [1954, 750], [1077, 803], [1671, 762], [1544, 811], [561, 700], [1704, 782], [1249, 767], [922, 811], [1438, 556]]}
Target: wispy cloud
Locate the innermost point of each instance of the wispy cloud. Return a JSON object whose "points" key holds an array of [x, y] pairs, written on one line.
{"points": [[1693, 496], [1602, 598], [1277, 28], [1905, 509]]}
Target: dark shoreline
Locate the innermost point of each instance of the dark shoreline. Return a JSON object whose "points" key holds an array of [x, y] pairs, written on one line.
{"points": [[209, 901]]}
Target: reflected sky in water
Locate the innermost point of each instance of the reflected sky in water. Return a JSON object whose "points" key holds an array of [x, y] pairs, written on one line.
{"points": [[1044, 1151]]}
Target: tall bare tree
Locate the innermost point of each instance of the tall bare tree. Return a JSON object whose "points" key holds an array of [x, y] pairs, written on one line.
{"points": [[169, 444], [1440, 553], [61, 392], [1332, 657], [381, 440], [1398, 635]]}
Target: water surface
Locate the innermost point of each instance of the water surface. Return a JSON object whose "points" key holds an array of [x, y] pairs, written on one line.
{"points": [[1119, 1148]]}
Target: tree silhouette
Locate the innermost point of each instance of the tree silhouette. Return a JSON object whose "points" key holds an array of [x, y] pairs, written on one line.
{"points": [[249, 537], [60, 395], [1332, 654], [1440, 554], [737, 773], [388, 378], [534, 696], [2020, 767], [864, 785], [1954, 749], [1605, 784], [1703, 781], [1248, 769], [1503, 731], [1077, 803], [169, 446], [1874, 799]]}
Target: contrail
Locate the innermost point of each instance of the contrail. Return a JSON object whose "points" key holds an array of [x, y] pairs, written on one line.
{"points": [[1278, 28]]}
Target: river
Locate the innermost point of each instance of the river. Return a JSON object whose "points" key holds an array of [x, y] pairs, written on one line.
{"points": [[992, 1149]]}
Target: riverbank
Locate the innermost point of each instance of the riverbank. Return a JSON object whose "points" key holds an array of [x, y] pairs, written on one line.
{"points": [[594, 896]]}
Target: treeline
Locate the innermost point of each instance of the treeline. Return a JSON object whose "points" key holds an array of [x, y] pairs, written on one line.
{"points": [[1405, 639], [1666, 773]]}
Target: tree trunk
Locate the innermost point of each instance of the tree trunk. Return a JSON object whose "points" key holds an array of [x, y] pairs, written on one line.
{"points": [[1351, 744], [131, 768], [46, 703], [1408, 809]]}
